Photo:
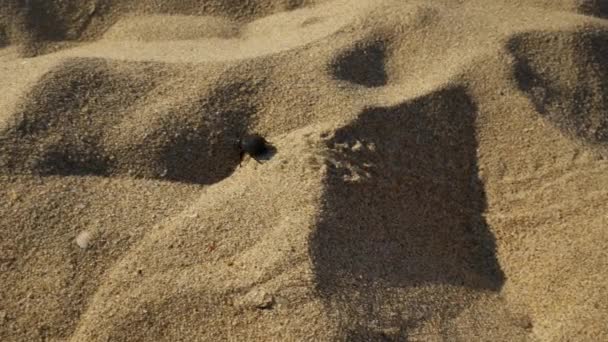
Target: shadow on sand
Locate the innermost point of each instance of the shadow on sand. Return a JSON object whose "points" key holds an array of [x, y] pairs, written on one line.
{"points": [[403, 209]]}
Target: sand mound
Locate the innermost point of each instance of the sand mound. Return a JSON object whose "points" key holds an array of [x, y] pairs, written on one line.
{"points": [[76, 123], [439, 171], [545, 73], [163, 27], [43, 25]]}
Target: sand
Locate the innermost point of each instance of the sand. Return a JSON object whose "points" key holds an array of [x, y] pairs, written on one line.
{"points": [[440, 171]]}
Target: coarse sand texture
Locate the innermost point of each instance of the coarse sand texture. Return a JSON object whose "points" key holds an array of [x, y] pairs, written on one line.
{"points": [[436, 170]]}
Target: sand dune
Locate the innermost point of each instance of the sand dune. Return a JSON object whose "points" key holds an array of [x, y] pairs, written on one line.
{"points": [[440, 170]]}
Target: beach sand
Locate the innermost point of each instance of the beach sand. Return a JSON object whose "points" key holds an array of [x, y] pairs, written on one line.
{"points": [[440, 170]]}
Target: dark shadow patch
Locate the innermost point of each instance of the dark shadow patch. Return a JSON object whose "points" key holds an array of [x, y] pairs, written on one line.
{"points": [[200, 148], [291, 5], [53, 25], [597, 8], [45, 19], [565, 76], [71, 161], [363, 64], [363, 334], [270, 152], [3, 36], [55, 20], [403, 207], [198, 151]]}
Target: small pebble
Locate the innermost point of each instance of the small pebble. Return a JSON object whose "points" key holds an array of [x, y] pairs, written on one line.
{"points": [[83, 240], [266, 302], [260, 300], [357, 146]]}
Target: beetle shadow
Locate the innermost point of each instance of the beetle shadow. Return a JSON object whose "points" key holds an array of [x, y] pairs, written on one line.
{"points": [[271, 151]]}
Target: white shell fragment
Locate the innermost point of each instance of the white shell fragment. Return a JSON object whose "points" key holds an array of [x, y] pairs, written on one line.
{"points": [[83, 240]]}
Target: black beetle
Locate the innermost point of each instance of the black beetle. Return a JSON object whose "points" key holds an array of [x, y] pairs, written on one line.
{"points": [[254, 145]]}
